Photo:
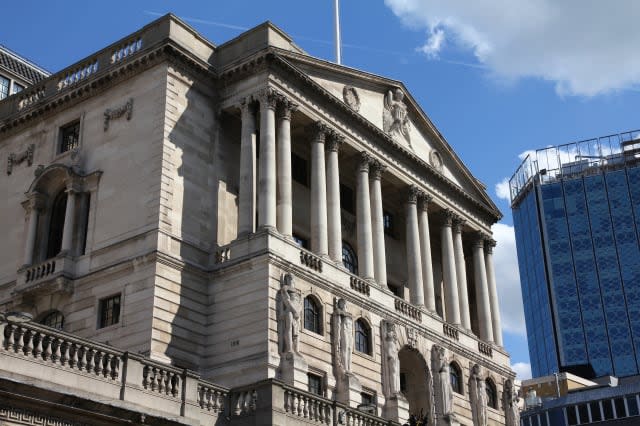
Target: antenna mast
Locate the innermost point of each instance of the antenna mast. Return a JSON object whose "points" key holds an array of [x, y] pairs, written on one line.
{"points": [[337, 30]]}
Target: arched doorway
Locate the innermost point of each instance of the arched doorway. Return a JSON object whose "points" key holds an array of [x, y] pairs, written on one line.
{"points": [[415, 381]]}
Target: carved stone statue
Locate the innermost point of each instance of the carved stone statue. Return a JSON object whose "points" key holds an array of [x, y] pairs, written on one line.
{"points": [[343, 337], [394, 117], [391, 362], [444, 382], [478, 396], [289, 315], [510, 401]]}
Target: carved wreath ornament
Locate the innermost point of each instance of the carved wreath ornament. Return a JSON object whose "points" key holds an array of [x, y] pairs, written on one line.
{"points": [[18, 158], [111, 114], [351, 98]]}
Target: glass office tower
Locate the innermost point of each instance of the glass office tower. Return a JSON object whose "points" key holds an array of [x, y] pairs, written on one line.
{"points": [[576, 212]]}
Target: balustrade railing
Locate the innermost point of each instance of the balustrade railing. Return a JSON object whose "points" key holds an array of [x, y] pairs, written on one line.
{"points": [[62, 350], [41, 270], [450, 331], [353, 417], [310, 260], [244, 402], [211, 397], [360, 285], [408, 310], [485, 349], [161, 379], [307, 406]]}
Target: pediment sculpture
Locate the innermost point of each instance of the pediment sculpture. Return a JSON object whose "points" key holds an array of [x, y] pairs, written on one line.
{"points": [[395, 120]]}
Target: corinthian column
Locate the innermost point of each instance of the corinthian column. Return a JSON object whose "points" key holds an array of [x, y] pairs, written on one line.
{"points": [[482, 290], [493, 294], [267, 172], [33, 206], [461, 273], [414, 257], [377, 223], [319, 241], [449, 271], [69, 222], [425, 250], [284, 199], [363, 219], [247, 190], [333, 197]]}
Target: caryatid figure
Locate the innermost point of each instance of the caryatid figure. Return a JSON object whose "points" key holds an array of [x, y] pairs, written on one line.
{"points": [[289, 316], [444, 382], [343, 335], [391, 367]]}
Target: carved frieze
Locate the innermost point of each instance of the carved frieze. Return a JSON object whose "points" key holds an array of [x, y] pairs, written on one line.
{"points": [[351, 97], [26, 155], [395, 120], [115, 113], [436, 160]]}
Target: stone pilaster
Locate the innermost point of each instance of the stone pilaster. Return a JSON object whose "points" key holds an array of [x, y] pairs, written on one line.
{"points": [[267, 171], [69, 221], [489, 245], [425, 250], [482, 289], [284, 198], [247, 189], [449, 271], [334, 219], [461, 273], [414, 256], [363, 219], [319, 239], [377, 223], [33, 206]]}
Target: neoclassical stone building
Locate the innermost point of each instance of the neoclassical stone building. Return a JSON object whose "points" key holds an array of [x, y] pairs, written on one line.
{"points": [[241, 234]]}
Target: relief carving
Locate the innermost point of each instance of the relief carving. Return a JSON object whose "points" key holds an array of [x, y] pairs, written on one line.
{"points": [[351, 98], [391, 362], [289, 315], [478, 397], [395, 120], [18, 158], [112, 114], [343, 335], [510, 401]]}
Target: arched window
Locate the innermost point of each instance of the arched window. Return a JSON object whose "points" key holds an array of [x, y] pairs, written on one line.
{"points": [[56, 224], [54, 319], [312, 315], [363, 337], [456, 378], [349, 258], [492, 400]]}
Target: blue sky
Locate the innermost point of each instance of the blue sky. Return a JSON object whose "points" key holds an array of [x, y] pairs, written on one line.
{"points": [[496, 77]]}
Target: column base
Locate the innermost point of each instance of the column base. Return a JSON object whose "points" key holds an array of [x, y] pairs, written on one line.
{"points": [[348, 390], [293, 370], [396, 408]]}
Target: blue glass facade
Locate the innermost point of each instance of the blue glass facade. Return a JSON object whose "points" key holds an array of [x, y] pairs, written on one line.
{"points": [[579, 259]]}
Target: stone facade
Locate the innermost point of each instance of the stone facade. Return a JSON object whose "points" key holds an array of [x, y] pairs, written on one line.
{"points": [[243, 206]]}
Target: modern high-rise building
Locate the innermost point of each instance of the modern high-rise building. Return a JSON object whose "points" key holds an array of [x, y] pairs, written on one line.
{"points": [[240, 234], [576, 212]]}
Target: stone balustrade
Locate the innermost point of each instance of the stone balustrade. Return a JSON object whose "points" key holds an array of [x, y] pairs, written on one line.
{"points": [[244, 402], [450, 331], [310, 260], [360, 285], [485, 348], [46, 274], [408, 310], [212, 397], [308, 406], [161, 378], [41, 270], [353, 417]]}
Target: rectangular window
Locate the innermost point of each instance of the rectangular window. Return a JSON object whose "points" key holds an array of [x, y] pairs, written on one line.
{"points": [[346, 199], [387, 220], [621, 412], [572, 418], [16, 88], [583, 411], [4, 87], [607, 409], [69, 136], [109, 311], [403, 382], [299, 170], [596, 415], [632, 405], [368, 404], [315, 384]]}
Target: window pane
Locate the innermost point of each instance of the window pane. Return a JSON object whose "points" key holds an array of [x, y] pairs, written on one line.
{"points": [[4, 87], [607, 409], [349, 259], [54, 320], [299, 171], [632, 405], [315, 384], [596, 415], [346, 199], [16, 88], [572, 419], [311, 315], [620, 410], [584, 413], [69, 136], [362, 337], [110, 311]]}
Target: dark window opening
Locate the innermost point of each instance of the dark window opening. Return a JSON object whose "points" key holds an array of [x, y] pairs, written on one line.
{"points": [[596, 415], [56, 224], [621, 411], [607, 409], [347, 199], [299, 170], [54, 319], [315, 384], [632, 405], [69, 136], [572, 418], [363, 337], [492, 400], [367, 398], [109, 311], [583, 412], [456, 378], [388, 223], [403, 382], [349, 258], [311, 315], [4, 87], [397, 290]]}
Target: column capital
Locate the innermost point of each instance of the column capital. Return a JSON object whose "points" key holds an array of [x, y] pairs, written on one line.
{"points": [[318, 131], [269, 98], [479, 238], [424, 200], [334, 141], [286, 107], [489, 244], [364, 162], [449, 215], [458, 224], [377, 168], [35, 201], [413, 192], [246, 105]]}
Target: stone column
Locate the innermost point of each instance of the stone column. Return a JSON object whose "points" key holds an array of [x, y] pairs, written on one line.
{"points": [[461, 273], [377, 223], [449, 271], [363, 219], [412, 240], [247, 189], [34, 206], [482, 290], [69, 222], [319, 239], [425, 250], [284, 198], [267, 171], [334, 217], [489, 244]]}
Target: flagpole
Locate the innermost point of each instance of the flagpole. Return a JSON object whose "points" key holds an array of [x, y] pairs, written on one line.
{"points": [[337, 31]]}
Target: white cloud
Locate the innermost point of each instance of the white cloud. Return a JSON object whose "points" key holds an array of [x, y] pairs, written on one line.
{"points": [[522, 369], [508, 279], [502, 189], [584, 47]]}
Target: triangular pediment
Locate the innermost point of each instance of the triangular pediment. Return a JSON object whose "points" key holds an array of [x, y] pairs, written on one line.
{"points": [[388, 105]]}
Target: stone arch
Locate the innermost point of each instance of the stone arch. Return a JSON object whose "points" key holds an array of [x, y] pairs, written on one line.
{"points": [[416, 382]]}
